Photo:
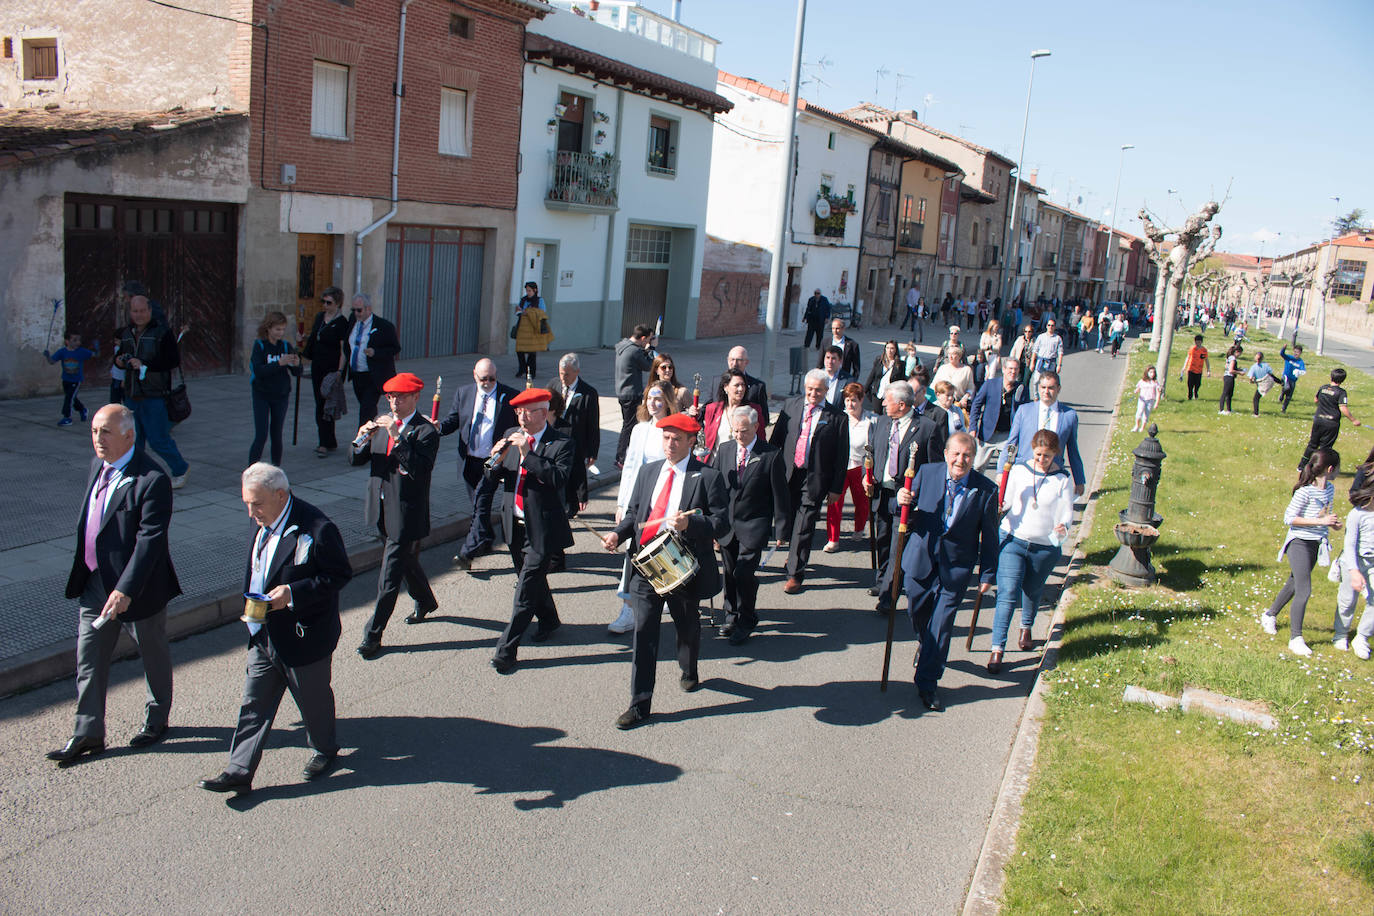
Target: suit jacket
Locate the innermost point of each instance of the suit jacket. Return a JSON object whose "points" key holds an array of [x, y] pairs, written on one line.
{"points": [[987, 407], [131, 546], [547, 469], [459, 419], [1026, 423], [581, 422], [712, 416], [971, 539], [757, 496], [315, 570], [837, 399], [703, 489], [875, 375], [403, 478], [756, 393], [924, 431], [827, 459], [386, 346], [850, 365]]}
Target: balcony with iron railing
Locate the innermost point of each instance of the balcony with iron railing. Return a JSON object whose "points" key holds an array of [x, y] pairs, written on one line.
{"points": [[910, 234], [583, 181]]}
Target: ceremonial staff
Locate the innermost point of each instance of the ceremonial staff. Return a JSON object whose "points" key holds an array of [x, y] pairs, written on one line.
{"points": [[296, 417], [872, 516], [701, 449], [438, 387], [1001, 498], [896, 564]]}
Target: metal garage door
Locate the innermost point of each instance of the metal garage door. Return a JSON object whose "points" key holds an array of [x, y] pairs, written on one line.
{"points": [[433, 288]]}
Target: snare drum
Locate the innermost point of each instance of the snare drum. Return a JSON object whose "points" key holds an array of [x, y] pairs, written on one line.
{"points": [[666, 562]]}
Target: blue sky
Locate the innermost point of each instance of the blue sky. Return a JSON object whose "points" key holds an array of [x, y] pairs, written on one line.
{"points": [[1272, 99]]}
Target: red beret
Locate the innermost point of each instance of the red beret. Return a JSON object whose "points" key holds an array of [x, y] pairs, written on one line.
{"points": [[404, 383], [679, 421], [531, 396]]}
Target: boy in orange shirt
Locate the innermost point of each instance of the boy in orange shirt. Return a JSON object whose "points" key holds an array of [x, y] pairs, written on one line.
{"points": [[1194, 363]]}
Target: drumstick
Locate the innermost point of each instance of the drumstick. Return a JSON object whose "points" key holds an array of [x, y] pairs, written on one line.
{"points": [[663, 518], [584, 524]]}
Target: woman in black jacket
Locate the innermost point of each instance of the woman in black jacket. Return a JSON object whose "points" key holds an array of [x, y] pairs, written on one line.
{"points": [[889, 367], [273, 363], [327, 350]]}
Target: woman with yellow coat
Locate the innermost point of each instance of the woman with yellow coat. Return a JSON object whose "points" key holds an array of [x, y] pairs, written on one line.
{"points": [[531, 332]]}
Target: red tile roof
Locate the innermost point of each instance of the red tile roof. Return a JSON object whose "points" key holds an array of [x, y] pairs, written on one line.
{"points": [[32, 134]]}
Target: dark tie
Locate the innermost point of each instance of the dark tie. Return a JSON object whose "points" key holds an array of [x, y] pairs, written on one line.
{"points": [[743, 457], [93, 517]]}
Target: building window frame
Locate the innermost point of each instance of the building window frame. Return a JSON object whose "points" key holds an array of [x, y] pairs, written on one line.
{"points": [[326, 124], [661, 143], [41, 59], [455, 127]]}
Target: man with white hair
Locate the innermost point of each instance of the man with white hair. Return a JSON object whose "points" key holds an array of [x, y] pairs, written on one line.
{"points": [[372, 350], [297, 562], [479, 412], [814, 438], [122, 573], [580, 418]]}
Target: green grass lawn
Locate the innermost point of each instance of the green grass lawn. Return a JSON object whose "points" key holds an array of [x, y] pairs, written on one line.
{"points": [[1132, 810]]}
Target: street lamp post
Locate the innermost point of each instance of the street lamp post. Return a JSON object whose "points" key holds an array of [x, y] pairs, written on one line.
{"points": [[1111, 227], [1016, 188]]}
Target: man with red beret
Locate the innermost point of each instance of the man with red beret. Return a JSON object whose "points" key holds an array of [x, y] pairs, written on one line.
{"points": [[664, 493], [537, 463], [401, 446]]}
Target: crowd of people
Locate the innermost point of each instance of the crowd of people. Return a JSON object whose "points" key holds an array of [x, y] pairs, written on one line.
{"points": [[711, 487]]}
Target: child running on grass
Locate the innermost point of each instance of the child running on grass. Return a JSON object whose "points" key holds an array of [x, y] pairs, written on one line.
{"points": [[1147, 398]]}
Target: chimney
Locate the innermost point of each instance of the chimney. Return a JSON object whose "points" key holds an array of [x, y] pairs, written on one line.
{"points": [[1035, 173], [677, 10]]}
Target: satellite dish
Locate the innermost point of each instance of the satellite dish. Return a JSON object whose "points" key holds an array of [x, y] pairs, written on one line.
{"points": [[822, 208]]}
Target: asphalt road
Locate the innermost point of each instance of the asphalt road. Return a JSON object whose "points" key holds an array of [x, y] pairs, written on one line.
{"points": [[787, 784], [1346, 350]]}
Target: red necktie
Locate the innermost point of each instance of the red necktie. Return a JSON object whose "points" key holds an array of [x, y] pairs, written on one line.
{"points": [[743, 457], [660, 508], [799, 458], [520, 492]]}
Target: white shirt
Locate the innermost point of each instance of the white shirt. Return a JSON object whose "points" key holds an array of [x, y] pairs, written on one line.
{"points": [[833, 382], [884, 478], [263, 555], [674, 495], [485, 421], [1036, 503], [97, 512], [534, 443], [858, 438], [646, 445], [1048, 417], [358, 341]]}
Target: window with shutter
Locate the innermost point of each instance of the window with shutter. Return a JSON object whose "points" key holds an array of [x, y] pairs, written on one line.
{"points": [[329, 101], [453, 122]]}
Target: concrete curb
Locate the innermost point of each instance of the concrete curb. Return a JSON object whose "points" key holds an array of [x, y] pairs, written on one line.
{"points": [[989, 874], [58, 660]]}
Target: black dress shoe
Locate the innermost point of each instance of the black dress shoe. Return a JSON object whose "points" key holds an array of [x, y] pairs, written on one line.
{"points": [[559, 565], [728, 630], [931, 700], [463, 562], [503, 664], [873, 591], [419, 613], [631, 718], [370, 650], [75, 747], [319, 765], [689, 682], [544, 633], [740, 635], [148, 735], [228, 782]]}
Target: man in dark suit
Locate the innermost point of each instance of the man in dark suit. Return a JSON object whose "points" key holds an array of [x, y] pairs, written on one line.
{"points": [[122, 573], [814, 439], [994, 406], [816, 314], [892, 437], [953, 529], [664, 493], [756, 390], [297, 560], [919, 380], [580, 419], [480, 411], [1047, 413], [757, 485], [537, 462], [400, 447], [832, 363], [848, 347], [372, 350]]}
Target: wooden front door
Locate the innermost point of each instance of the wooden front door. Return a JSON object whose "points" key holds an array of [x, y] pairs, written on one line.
{"points": [[314, 272], [646, 298]]}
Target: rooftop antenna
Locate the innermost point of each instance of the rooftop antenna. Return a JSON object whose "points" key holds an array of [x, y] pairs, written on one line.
{"points": [[877, 76], [897, 87], [928, 100]]}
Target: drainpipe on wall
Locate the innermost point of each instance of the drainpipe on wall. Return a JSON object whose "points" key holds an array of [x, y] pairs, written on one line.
{"points": [[399, 91], [610, 225]]}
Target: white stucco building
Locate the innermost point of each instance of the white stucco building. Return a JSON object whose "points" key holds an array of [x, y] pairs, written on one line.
{"points": [[615, 156], [822, 249]]}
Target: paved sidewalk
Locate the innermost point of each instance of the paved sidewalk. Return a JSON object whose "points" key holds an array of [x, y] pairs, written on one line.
{"points": [[47, 467]]}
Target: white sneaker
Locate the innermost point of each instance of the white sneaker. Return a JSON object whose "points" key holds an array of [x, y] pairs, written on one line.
{"points": [[178, 482], [1269, 624], [1360, 646], [625, 622], [1340, 644], [831, 546], [1298, 647]]}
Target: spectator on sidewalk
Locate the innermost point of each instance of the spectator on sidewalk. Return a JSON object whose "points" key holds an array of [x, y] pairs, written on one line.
{"points": [[817, 313], [373, 348], [272, 364], [633, 355], [148, 353], [1194, 363], [327, 350], [532, 333], [1294, 367], [73, 358], [1332, 404], [1310, 515]]}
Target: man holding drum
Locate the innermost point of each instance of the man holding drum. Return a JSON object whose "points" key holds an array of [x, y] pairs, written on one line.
{"points": [[684, 496]]}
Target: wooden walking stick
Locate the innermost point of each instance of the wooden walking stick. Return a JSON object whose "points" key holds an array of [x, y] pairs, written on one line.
{"points": [[896, 564], [872, 523], [973, 624], [296, 417]]}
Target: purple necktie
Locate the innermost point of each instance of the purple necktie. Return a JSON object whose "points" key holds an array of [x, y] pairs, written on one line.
{"points": [[892, 457], [93, 517]]}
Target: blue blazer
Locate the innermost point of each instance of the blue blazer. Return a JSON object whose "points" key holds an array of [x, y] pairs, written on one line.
{"points": [[1026, 423], [971, 539], [987, 407]]}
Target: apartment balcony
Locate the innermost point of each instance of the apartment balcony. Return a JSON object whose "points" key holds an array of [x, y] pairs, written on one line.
{"points": [[589, 182], [990, 256]]}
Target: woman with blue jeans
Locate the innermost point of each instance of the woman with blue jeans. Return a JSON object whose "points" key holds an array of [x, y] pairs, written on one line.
{"points": [[1039, 508], [272, 364]]}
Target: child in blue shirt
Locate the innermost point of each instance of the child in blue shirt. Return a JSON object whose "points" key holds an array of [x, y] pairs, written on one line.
{"points": [[73, 357], [1293, 368]]}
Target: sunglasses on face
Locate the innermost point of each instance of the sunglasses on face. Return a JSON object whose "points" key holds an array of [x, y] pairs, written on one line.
{"points": [[327, 301]]}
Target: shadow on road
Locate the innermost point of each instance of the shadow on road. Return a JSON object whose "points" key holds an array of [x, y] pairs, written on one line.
{"points": [[493, 758]]}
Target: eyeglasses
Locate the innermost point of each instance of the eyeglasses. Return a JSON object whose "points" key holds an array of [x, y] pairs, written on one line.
{"points": [[326, 301]]}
